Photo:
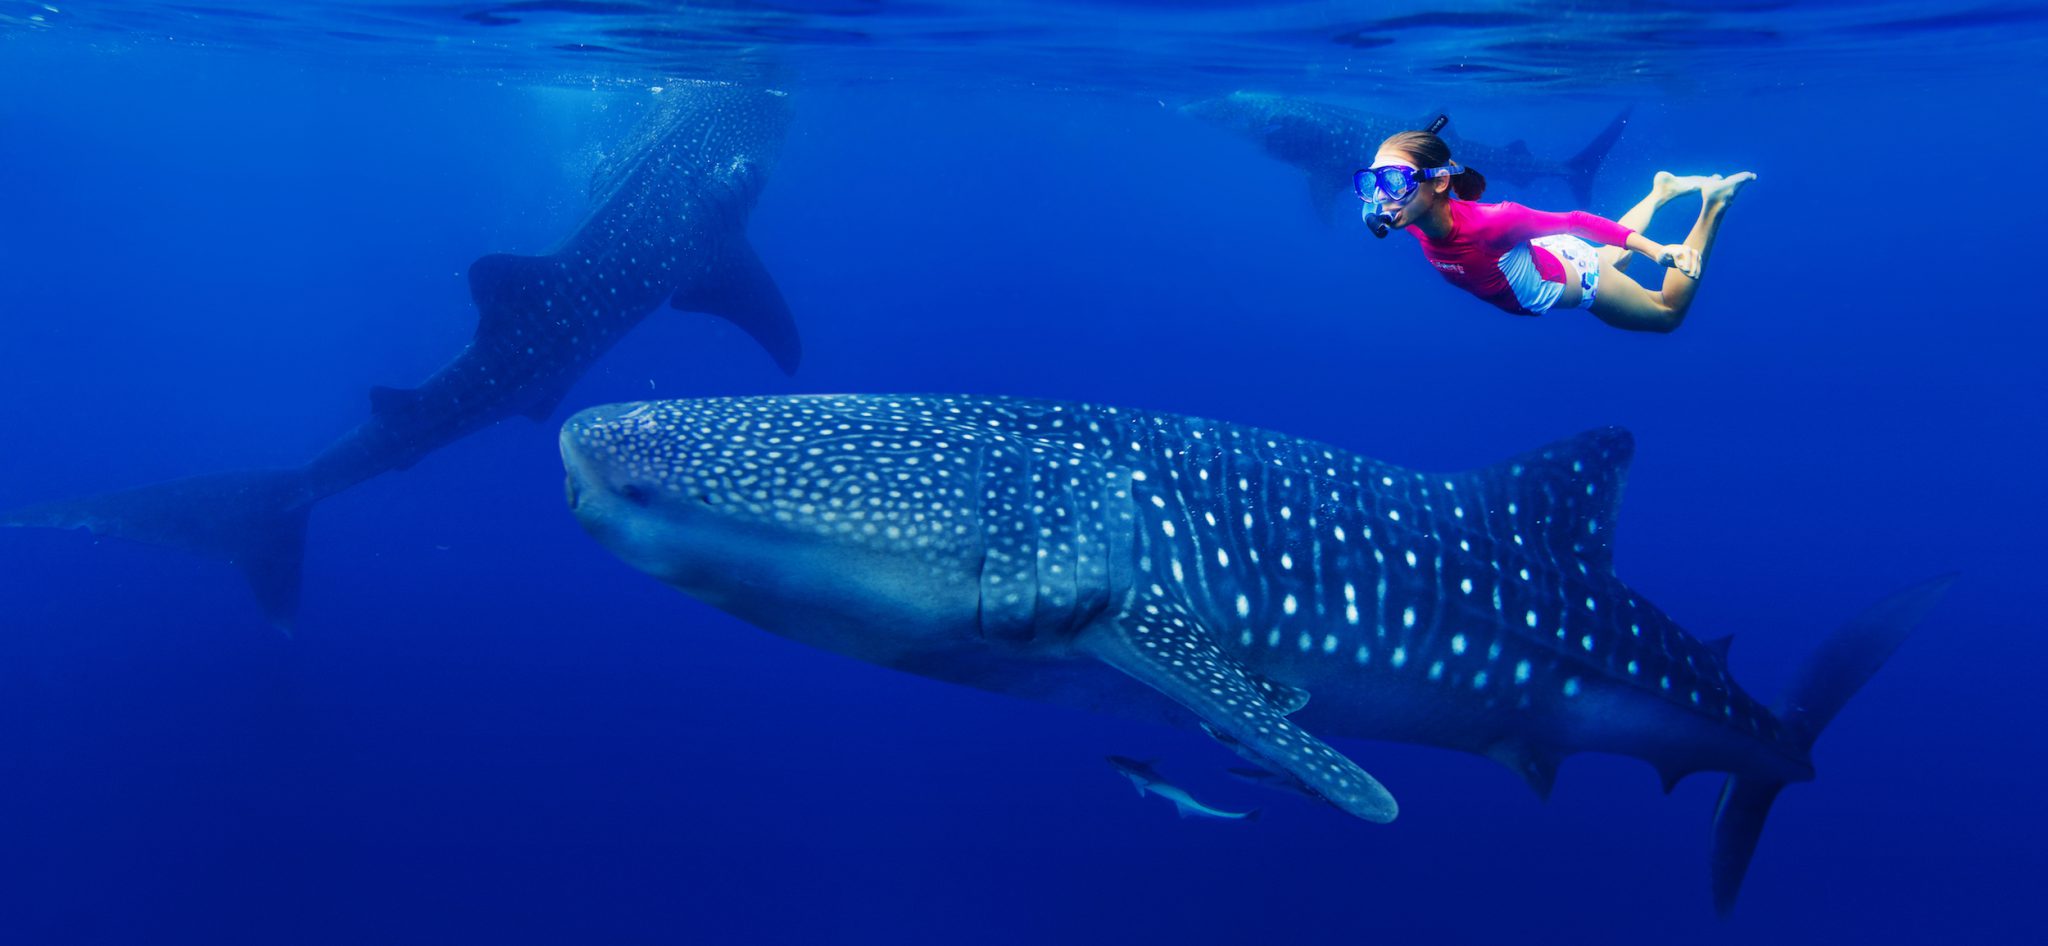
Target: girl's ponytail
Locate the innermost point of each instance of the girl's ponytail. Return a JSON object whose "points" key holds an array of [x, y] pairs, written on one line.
{"points": [[1468, 184]]}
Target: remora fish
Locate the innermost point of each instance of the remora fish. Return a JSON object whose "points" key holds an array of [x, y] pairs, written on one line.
{"points": [[1147, 781], [1329, 142], [668, 223], [1264, 585]]}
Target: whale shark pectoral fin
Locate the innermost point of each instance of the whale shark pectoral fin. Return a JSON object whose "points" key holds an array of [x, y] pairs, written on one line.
{"points": [[1173, 654], [1535, 765], [1324, 193], [739, 290]]}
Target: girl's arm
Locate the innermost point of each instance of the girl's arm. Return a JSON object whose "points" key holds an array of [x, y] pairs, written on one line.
{"points": [[1526, 223], [1675, 255]]}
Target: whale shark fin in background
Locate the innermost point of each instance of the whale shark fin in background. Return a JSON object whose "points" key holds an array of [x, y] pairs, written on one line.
{"points": [[1565, 495], [1536, 766], [1326, 193], [1580, 170], [1147, 646], [503, 285], [739, 290], [255, 520]]}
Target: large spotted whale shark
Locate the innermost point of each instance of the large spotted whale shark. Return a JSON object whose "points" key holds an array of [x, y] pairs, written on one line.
{"points": [[1265, 587], [1328, 142], [668, 219]]}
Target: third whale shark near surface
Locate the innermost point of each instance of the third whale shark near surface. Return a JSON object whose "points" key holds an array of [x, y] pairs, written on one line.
{"points": [[1329, 142], [668, 223], [1265, 587]]}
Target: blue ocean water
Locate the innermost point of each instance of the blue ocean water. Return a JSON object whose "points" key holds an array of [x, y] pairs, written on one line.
{"points": [[221, 225]]}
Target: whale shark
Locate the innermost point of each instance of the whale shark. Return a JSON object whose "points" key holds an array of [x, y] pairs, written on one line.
{"points": [[1269, 589], [667, 224], [1329, 142], [1148, 781]]}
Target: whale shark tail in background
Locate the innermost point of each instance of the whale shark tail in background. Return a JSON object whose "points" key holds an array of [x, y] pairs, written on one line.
{"points": [[667, 225], [1843, 664], [255, 520], [1582, 167]]}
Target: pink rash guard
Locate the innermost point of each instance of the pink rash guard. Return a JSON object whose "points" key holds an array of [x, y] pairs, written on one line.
{"points": [[1482, 234]]}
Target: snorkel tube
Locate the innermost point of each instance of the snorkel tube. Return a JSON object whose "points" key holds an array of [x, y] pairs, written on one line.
{"points": [[1376, 219], [1375, 214]]}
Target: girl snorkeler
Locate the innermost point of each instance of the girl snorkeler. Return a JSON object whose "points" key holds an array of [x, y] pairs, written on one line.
{"points": [[1529, 262]]}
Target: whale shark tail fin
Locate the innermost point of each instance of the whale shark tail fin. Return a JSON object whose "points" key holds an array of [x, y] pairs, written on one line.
{"points": [[255, 520], [740, 290], [1580, 170], [1845, 661]]}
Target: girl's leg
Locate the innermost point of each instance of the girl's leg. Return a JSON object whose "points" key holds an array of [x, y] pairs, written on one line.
{"points": [[1626, 304], [1663, 188]]}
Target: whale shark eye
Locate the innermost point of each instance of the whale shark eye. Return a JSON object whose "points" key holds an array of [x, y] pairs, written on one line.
{"points": [[636, 494]]}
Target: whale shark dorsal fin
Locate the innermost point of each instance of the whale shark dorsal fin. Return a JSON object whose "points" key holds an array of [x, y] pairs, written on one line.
{"points": [[1563, 497], [502, 284], [1518, 148], [1720, 645], [1173, 653], [738, 289]]}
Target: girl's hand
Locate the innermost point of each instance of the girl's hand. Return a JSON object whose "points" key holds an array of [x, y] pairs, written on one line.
{"points": [[1680, 257]]}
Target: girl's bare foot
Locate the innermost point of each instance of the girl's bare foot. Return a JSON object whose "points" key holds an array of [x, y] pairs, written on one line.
{"points": [[1721, 190], [1667, 185]]}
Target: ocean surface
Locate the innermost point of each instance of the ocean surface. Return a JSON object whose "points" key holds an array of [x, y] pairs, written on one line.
{"points": [[222, 223]]}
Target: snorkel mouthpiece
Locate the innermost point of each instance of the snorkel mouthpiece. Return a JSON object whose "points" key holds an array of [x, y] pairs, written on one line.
{"points": [[1377, 219]]}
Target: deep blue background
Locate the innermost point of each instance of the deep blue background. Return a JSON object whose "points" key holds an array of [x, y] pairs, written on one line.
{"points": [[489, 730]]}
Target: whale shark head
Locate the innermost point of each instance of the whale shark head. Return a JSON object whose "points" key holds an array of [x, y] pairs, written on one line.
{"points": [[809, 517]]}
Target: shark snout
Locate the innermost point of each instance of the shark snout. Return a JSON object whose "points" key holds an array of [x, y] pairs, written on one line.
{"points": [[597, 446]]}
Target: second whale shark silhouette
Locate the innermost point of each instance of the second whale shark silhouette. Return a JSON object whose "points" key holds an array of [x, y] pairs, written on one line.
{"points": [[1329, 142], [667, 224]]}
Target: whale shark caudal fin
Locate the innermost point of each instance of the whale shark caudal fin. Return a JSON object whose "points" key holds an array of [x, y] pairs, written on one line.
{"points": [[1580, 170], [1845, 661], [255, 520], [739, 290], [1147, 646]]}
